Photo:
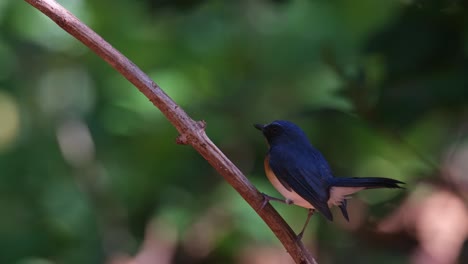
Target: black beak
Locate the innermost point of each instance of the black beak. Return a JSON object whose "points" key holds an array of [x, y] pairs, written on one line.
{"points": [[259, 126]]}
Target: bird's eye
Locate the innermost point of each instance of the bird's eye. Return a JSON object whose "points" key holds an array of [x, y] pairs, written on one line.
{"points": [[274, 130]]}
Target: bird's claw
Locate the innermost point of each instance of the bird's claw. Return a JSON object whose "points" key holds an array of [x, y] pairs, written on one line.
{"points": [[299, 236], [265, 201], [267, 198]]}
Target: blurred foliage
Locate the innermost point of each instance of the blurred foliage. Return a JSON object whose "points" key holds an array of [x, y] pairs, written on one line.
{"points": [[86, 162]]}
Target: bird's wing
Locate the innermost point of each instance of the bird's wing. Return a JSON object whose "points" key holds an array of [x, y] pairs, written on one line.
{"points": [[303, 174]]}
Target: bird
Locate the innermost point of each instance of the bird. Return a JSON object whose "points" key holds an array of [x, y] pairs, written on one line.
{"points": [[301, 174]]}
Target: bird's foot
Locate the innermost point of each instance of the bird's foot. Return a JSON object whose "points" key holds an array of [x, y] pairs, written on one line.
{"points": [[267, 199], [301, 234]]}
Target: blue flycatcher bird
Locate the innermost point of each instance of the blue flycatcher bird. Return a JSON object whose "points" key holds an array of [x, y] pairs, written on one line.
{"points": [[302, 175]]}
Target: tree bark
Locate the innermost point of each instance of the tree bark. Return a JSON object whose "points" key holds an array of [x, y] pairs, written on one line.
{"points": [[190, 132]]}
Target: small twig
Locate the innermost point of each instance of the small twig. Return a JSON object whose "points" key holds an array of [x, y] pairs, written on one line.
{"points": [[191, 132]]}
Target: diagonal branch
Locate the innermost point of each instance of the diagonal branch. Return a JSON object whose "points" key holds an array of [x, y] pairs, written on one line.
{"points": [[191, 132]]}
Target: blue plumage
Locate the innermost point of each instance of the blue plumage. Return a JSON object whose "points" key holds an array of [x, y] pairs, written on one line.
{"points": [[303, 176]]}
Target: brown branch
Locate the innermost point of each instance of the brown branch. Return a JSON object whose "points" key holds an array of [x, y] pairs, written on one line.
{"points": [[191, 132]]}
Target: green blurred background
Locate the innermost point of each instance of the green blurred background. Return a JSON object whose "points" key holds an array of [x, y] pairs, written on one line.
{"points": [[89, 168]]}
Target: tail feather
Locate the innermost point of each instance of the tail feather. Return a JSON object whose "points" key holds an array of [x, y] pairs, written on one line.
{"points": [[342, 207], [366, 182], [340, 187]]}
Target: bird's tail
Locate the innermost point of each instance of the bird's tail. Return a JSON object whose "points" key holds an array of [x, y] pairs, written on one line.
{"points": [[366, 182], [341, 187]]}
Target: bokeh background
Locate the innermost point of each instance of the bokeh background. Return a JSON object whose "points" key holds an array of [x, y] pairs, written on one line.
{"points": [[89, 168]]}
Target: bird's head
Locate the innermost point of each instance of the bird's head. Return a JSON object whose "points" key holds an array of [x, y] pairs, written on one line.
{"points": [[282, 132]]}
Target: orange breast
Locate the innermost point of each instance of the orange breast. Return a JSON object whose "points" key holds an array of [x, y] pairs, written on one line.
{"points": [[290, 195]]}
